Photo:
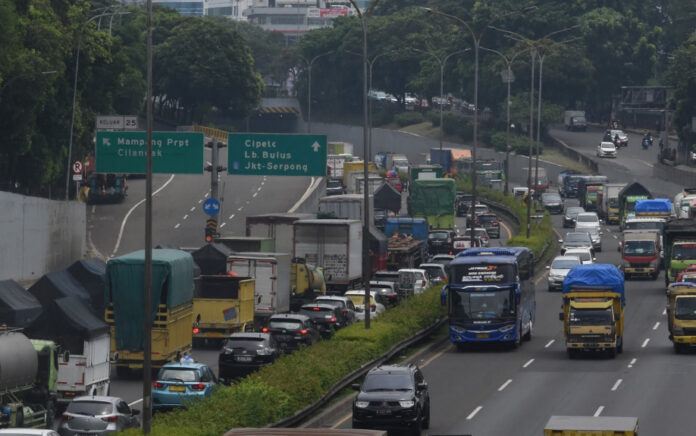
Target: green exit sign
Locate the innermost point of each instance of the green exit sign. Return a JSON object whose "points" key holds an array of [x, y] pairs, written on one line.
{"points": [[172, 152], [276, 154]]}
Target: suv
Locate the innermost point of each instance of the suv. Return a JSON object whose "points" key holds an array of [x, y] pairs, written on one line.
{"points": [[392, 397], [580, 239], [552, 202], [387, 290], [489, 221], [291, 330], [244, 353], [463, 204], [327, 318], [343, 303], [440, 241]]}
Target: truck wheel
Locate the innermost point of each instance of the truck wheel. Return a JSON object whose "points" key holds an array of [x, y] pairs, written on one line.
{"points": [[50, 413], [518, 337], [19, 417]]}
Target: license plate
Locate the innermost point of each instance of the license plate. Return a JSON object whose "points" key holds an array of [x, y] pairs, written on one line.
{"points": [[384, 411], [243, 358], [177, 388], [482, 335]]}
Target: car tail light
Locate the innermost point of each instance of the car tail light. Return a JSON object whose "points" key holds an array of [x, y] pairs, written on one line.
{"points": [[422, 282], [198, 387], [333, 319], [195, 330], [264, 330], [112, 418], [373, 307], [451, 252], [303, 331], [316, 309], [66, 417], [344, 310], [157, 385], [443, 278]]}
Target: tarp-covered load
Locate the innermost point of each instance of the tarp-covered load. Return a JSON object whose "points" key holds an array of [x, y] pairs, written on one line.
{"points": [[90, 273], [59, 284], [596, 275], [212, 258], [656, 205], [172, 285], [388, 198], [432, 197], [634, 189], [67, 321], [18, 308]]}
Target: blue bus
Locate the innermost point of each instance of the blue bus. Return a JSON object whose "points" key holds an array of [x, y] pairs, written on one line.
{"points": [[490, 295]]}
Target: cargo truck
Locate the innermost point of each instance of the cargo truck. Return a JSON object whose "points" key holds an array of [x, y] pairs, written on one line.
{"points": [[593, 309], [568, 183], [247, 243], [433, 200], [374, 181], [355, 166], [679, 238], [277, 226], [222, 305], [27, 381], [610, 202], [575, 120], [443, 158], [398, 162], [339, 148], [591, 425], [407, 244], [271, 272], [335, 164], [591, 192], [417, 172], [654, 208], [172, 311], [681, 315], [640, 254], [335, 246]]}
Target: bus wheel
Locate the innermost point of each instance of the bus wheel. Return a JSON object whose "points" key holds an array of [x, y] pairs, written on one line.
{"points": [[528, 335]]}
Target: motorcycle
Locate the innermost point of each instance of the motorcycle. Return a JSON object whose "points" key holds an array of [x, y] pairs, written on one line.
{"points": [[646, 143]]}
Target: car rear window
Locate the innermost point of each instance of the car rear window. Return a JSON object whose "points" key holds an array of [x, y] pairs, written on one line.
{"points": [[245, 343], [438, 235], [287, 324], [178, 374], [334, 303], [313, 310], [486, 219], [91, 408]]}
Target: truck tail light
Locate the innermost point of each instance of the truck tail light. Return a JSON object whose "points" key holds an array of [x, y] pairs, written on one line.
{"points": [[195, 330], [423, 283], [198, 387]]}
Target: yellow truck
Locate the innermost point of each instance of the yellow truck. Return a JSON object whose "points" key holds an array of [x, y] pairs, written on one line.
{"points": [[222, 304], [593, 309], [172, 314], [356, 165], [591, 426], [681, 315]]}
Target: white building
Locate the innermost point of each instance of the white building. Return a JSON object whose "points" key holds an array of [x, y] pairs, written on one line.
{"points": [[185, 7]]}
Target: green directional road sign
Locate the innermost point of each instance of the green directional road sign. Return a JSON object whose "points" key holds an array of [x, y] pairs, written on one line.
{"points": [[276, 154], [172, 152]]}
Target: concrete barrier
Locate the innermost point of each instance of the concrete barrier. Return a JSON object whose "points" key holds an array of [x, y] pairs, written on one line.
{"points": [[575, 155], [677, 175], [39, 235]]}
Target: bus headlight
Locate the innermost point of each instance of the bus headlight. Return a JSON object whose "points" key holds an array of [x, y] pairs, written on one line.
{"points": [[507, 328], [457, 329]]}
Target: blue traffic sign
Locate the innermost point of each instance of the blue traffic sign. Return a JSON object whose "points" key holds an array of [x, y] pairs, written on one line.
{"points": [[211, 206]]}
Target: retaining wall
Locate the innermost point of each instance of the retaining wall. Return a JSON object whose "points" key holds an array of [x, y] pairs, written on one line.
{"points": [[39, 235]]}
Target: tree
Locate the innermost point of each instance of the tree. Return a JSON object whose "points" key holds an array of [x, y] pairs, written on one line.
{"points": [[682, 76]]}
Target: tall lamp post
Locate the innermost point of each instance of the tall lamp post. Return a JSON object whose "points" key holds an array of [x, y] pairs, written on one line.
{"points": [[309, 86], [476, 37], [77, 66], [508, 80], [366, 195], [442, 60]]}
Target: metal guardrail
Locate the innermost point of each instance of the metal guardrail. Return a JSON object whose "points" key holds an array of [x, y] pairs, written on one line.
{"points": [[308, 411]]}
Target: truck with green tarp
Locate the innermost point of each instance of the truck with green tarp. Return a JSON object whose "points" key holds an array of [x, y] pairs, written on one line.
{"points": [[172, 307], [433, 200], [627, 200]]}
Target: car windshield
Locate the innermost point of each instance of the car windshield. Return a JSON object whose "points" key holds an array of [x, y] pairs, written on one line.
{"points": [[408, 278], [564, 263], [644, 225], [684, 251], [591, 316], [387, 382], [91, 408], [245, 343], [477, 232], [583, 255], [482, 305], [639, 248], [593, 231], [574, 211], [685, 308], [487, 219], [587, 218], [551, 198], [577, 237], [441, 261], [438, 235], [178, 374], [285, 324], [483, 273]]}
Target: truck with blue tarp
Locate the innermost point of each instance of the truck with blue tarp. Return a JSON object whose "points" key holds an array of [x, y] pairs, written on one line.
{"points": [[568, 183], [407, 240], [442, 157], [593, 309], [655, 207], [433, 200], [172, 307]]}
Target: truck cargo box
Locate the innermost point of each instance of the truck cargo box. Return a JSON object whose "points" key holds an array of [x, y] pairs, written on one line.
{"points": [[277, 226], [18, 308]]}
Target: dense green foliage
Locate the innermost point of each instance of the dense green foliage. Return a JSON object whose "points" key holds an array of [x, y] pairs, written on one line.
{"points": [[301, 378], [408, 118]]}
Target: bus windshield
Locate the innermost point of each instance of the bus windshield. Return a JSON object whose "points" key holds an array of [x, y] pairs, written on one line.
{"points": [[483, 273], [473, 304]]}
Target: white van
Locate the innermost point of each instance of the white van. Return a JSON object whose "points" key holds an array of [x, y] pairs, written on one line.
{"points": [[413, 281]]}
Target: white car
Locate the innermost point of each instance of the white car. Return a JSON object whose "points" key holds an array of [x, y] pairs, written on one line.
{"points": [[28, 432], [586, 219], [436, 272], [559, 269], [413, 281], [358, 298], [585, 254], [480, 233], [443, 259], [606, 149]]}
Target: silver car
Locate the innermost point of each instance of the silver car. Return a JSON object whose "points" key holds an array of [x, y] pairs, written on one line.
{"points": [[559, 268], [97, 415]]}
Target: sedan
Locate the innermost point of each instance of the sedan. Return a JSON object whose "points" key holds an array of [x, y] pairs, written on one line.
{"points": [[611, 134], [571, 216], [244, 353], [178, 383], [552, 202], [96, 415], [606, 149]]}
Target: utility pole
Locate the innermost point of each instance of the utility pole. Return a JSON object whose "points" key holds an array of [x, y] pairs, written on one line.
{"points": [[215, 169]]}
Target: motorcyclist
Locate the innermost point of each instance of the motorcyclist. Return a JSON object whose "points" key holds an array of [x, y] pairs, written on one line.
{"points": [[617, 141]]}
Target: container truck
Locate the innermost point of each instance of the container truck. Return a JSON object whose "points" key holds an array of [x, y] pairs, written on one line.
{"points": [[335, 164], [591, 425], [398, 162], [417, 172], [681, 322], [610, 202], [277, 226], [374, 181], [27, 381], [593, 309], [172, 294], [335, 246], [685, 203], [443, 158], [349, 206], [433, 200], [679, 239], [340, 148], [271, 272], [355, 166], [575, 120], [222, 305]]}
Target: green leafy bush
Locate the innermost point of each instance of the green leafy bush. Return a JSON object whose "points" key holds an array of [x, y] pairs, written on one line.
{"points": [[518, 143], [408, 118], [455, 125], [434, 117], [383, 114]]}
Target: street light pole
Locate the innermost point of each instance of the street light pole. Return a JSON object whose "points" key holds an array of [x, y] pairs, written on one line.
{"points": [[309, 86], [531, 142]]}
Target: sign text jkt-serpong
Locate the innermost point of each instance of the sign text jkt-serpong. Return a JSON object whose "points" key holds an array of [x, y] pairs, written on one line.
{"points": [[276, 154]]}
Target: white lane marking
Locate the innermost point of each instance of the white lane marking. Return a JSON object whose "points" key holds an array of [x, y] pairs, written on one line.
{"points": [[192, 209], [257, 193], [504, 385], [472, 414], [529, 362], [306, 194], [135, 402], [263, 181], [185, 216], [200, 201], [231, 216], [549, 344], [94, 208], [125, 219], [207, 194], [208, 163], [259, 187], [664, 311], [657, 324], [412, 134], [222, 225], [645, 343], [614, 236], [240, 208], [246, 202], [644, 162], [177, 225], [616, 385], [599, 411], [632, 362]]}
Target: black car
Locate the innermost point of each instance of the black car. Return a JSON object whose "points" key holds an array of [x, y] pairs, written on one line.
{"points": [[291, 330], [244, 353], [463, 204], [552, 202], [392, 397], [380, 218], [489, 221], [334, 187], [571, 214], [440, 241], [327, 318]]}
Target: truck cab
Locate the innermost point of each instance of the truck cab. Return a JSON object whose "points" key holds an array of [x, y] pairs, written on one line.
{"points": [[681, 315], [640, 254]]}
